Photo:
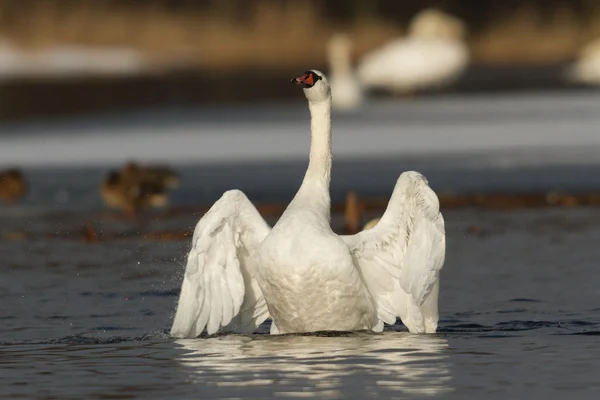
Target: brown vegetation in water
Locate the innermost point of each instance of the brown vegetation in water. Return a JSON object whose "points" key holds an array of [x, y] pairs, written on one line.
{"points": [[348, 216]]}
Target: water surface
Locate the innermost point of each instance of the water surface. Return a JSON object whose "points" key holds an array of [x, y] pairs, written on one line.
{"points": [[519, 318], [519, 307]]}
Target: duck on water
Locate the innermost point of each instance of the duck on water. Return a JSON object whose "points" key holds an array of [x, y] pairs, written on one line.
{"points": [[300, 273]]}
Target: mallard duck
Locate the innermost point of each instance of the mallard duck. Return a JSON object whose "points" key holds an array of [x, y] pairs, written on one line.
{"points": [[156, 174], [13, 186], [123, 192]]}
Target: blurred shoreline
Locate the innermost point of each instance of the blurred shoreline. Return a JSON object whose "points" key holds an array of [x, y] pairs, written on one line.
{"points": [[24, 99], [231, 51]]}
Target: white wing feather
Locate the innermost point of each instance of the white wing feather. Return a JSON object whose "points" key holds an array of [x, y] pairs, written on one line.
{"points": [[401, 257], [219, 287]]}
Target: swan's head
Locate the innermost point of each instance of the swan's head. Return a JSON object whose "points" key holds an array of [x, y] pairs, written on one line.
{"points": [[434, 23], [316, 87]]}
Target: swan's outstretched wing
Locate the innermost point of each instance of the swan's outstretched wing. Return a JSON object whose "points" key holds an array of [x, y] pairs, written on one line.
{"points": [[219, 287], [401, 257]]}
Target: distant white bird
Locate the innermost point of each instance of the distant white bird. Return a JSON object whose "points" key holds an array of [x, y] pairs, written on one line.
{"points": [[345, 87], [300, 273], [433, 55], [587, 67]]}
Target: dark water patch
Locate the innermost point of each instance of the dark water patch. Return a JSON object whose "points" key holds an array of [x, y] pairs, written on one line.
{"points": [[461, 326], [57, 317], [160, 293], [102, 315], [583, 323], [520, 325], [515, 311], [106, 295], [450, 321], [467, 313], [497, 336], [524, 300], [515, 326], [113, 328], [87, 340], [475, 353]]}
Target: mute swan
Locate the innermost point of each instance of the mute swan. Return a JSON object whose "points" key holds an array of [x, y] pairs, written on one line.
{"points": [[432, 56], [347, 93], [300, 273], [12, 185], [587, 67]]}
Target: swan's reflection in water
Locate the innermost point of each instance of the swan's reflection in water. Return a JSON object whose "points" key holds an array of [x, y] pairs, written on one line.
{"points": [[350, 366]]}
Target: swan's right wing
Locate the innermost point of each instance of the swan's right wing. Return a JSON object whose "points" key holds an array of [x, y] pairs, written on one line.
{"points": [[219, 287], [401, 257]]}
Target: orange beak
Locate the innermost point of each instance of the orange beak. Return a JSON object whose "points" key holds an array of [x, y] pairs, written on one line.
{"points": [[306, 80]]}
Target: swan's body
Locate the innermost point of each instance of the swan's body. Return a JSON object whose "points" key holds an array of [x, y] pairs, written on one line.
{"points": [[300, 273], [587, 67], [347, 92], [433, 55]]}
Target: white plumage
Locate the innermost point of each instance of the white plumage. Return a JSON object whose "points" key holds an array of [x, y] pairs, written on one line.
{"points": [[303, 275], [347, 92], [219, 287], [586, 69], [433, 55]]}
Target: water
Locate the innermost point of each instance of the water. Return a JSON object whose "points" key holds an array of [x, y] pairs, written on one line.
{"points": [[519, 292], [519, 318]]}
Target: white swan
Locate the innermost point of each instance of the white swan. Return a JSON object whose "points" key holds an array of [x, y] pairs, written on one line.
{"points": [[300, 273], [587, 67], [432, 56], [347, 93]]}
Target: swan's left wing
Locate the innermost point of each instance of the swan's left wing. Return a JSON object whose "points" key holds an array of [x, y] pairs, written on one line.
{"points": [[219, 288], [401, 257]]}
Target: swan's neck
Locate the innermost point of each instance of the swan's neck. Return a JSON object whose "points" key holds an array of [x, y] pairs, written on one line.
{"points": [[315, 186], [339, 60]]}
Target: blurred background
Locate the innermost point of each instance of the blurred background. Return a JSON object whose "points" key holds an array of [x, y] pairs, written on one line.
{"points": [[75, 56], [481, 97]]}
